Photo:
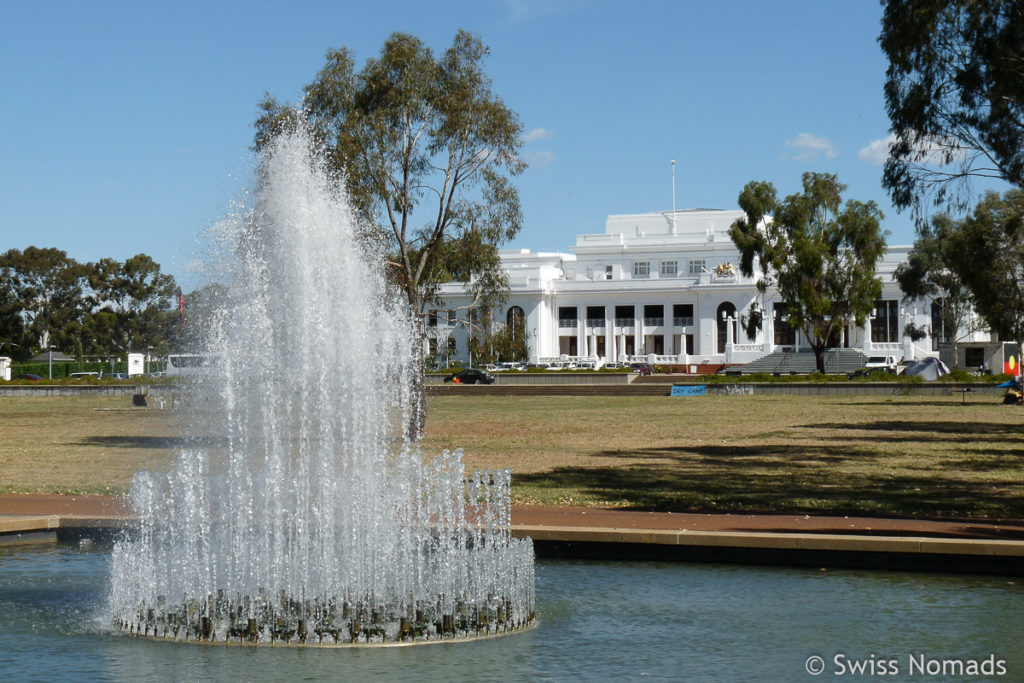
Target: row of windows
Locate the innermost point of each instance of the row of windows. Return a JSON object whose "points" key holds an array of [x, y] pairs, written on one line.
{"points": [[513, 316], [884, 322], [650, 311], [642, 269]]}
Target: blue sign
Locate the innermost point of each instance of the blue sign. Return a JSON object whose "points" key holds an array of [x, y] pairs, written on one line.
{"points": [[689, 390]]}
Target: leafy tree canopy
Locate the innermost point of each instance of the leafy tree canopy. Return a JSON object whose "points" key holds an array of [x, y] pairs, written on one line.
{"points": [[425, 150], [48, 299], [954, 93], [818, 254], [927, 275], [133, 286], [986, 252], [46, 286]]}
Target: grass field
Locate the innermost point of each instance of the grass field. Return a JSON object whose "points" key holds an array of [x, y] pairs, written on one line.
{"points": [[855, 455]]}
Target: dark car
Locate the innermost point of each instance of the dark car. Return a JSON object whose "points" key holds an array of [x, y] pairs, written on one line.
{"points": [[30, 377], [641, 368], [471, 376]]}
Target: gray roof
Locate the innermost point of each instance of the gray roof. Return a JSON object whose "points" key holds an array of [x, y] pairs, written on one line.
{"points": [[44, 357]]}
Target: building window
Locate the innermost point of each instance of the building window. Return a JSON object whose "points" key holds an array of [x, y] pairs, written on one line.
{"points": [[654, 316], [682, 315], [885, 323], [974, 357], [726, 314], [785, 335], [641, 269], [624, 316], [696, 266], [941, 332], [567, 316], [607, 272], [669, 268], [515, 319], [432, 319]]}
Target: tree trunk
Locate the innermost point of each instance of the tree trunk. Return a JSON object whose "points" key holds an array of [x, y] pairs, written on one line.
{"points": [[819, 358], [418, 413]]}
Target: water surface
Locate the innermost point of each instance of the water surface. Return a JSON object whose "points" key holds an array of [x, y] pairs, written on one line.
{"points": [[598, 621]]}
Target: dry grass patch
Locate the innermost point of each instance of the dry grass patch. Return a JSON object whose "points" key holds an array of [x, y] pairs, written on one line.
{"points": [[853, 455], [80, 445], [892, 456]]}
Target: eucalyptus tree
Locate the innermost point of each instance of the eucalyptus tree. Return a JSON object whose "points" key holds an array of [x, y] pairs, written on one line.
{"points": [[818, 254], [954, 92], [986, 252], [46, 286], [928, 274], [131, 302], [426, 151]]}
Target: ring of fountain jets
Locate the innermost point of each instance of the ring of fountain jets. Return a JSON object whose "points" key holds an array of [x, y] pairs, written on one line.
{"points": [[299, 511]]}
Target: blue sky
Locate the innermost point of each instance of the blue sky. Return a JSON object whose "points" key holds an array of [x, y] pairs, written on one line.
{"points": [[126, 126]]}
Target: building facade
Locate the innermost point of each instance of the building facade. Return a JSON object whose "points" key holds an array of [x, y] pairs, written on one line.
{"points": [[665, 288]]}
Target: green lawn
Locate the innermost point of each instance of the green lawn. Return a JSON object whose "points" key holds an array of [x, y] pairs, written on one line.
{"points": [[856, 455]]}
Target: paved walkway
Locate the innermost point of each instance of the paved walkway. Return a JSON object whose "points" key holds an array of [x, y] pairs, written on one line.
{"points": [[596, 518]]}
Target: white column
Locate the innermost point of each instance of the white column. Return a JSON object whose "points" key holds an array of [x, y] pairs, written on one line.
{"points": [[581, 332], [638, 336]]}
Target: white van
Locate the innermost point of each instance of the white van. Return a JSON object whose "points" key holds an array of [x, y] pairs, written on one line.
{"points": [[85, 375], [886, 363]]}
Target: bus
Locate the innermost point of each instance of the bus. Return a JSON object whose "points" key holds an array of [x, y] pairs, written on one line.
{"points": [[186, 364]]}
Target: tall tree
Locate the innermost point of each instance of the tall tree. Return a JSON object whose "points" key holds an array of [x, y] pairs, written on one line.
{"points": [[134, 286], [954, 92], [818, 254], [132, 302], [987, 253], [194, 328], [927, 274], [48, 288], [12, 327], [426, 151]]}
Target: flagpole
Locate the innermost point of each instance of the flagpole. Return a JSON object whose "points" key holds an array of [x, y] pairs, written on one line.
{"points": [[673, 196]]}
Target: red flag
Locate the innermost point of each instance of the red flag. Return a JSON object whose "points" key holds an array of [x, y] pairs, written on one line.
{"points": [[181, 307]]}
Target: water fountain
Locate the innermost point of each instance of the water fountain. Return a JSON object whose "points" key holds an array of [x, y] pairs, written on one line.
{"points": [[304, 515]]}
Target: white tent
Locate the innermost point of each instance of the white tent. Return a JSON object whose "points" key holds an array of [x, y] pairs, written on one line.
{"points": [[928, 369]]}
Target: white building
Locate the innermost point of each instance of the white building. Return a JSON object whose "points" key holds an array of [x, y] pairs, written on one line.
{"points": [[665, 288]]}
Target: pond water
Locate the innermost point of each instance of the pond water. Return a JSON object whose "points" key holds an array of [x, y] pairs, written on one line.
{"points": [[597, 621]]}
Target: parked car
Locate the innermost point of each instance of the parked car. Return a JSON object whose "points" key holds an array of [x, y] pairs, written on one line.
{"points": [[84, 375], [886, 363], [29, 376], [641, 368], [471, 376], [120, 375]]}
